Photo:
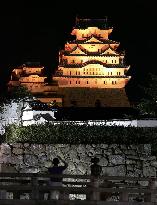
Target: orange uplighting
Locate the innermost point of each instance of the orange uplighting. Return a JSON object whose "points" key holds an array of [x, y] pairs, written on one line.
{"points": [[91, 58]]}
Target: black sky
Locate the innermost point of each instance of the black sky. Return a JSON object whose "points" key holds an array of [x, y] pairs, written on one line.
{"points": [[37, 32]]}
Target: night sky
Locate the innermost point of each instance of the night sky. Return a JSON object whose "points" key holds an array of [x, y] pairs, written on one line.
{"points": [[37, 32]]}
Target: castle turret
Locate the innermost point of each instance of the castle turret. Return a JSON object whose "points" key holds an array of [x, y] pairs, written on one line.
{"points": [[30, 75]]}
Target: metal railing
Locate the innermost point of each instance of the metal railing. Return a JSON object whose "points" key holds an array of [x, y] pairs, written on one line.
{"points": [[35, 189]]}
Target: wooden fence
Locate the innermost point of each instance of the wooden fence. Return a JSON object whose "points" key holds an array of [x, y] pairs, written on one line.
{"points": [[36, 189]]}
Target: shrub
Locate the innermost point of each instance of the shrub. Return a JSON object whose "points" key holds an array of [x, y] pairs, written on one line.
{"points": [[79, 134]]}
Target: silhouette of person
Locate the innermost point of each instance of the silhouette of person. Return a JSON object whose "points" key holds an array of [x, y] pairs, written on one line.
{"points": [[54, 181], [96, 171]]}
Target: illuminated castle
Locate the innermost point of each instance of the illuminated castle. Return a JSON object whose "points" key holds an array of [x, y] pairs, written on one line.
{"points": [[31, 75], [91, 71], [90, 67]]}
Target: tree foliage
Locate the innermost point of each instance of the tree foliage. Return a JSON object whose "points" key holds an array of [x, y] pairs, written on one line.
{"points": [[19, 93], [148, 104]]}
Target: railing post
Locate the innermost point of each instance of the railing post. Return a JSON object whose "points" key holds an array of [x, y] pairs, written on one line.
{"points": [[123, 196], [35, 191], [150, 197], [3, 193], [96, 193]]}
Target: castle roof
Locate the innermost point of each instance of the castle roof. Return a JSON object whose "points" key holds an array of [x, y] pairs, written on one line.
{"points": [[86, 52], [94, 76], [77, 65], [32, 64], [98, 38], [24, 74], [85, 23]]}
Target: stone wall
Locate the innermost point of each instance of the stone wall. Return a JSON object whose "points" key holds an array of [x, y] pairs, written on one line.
{"points": [[116, 160]]}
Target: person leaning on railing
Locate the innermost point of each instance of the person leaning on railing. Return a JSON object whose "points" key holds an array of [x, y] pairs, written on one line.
{"points": [[54, 181], [96, 171]]}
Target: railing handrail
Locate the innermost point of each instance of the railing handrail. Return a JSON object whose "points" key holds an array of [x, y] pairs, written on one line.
{"points": [[47, 175], [75, 189]]}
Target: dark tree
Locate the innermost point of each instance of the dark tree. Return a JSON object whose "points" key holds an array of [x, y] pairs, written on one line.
{"points": [[19, 93], [148, 104]]}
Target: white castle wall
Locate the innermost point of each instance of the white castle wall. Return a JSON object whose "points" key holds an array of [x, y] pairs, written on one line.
{"points": [[15, 113], [22, 113]]}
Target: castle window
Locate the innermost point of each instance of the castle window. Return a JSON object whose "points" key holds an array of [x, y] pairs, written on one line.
{"points": [[106, 61], [73, 61], [96, 73], [118, 73], [112, 61], [70, 82], [114, 82], [79, 73], [111, 73], [70, 72], [104, 82], [83, 35], [87, 73], [90, 73], [76, 82], [115, 61], [93, 73], [84, 72], [87, 82], [76, 72]]}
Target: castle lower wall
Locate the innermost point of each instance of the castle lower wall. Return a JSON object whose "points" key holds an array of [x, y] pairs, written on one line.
{"points": [[86, 97]]}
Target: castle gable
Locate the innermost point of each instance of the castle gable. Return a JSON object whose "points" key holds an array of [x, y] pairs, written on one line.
{"points": [[93, 40], [77, 51], [110, 51], [94, 65]]}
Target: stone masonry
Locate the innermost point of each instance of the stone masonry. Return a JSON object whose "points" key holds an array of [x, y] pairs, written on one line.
{"points": [[116, 160]]}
